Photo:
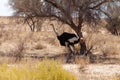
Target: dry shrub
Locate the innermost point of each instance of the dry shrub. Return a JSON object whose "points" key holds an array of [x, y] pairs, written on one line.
{"points": [[93, 43], [82, 61], [39, 46], [116, 77], [12, 49], [53, 41], [110, 50], [111, 46], [103, 44], [19, 52]]}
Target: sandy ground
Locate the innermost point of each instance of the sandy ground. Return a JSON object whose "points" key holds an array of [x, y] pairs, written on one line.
{"points": [[94, 71]]}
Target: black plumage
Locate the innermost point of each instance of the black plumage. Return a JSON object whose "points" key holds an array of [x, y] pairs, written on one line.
{"points": [[70, 38]]}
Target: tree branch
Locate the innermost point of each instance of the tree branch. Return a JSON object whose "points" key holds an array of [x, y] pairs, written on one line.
{"points": [[56, 6], [68, 20], [104, 1]]}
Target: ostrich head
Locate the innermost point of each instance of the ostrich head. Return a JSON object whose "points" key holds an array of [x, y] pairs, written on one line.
{"points": [[82, 40]]}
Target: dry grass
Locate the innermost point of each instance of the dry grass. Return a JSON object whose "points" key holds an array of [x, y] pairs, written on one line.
{"points": [[10, 40], [82, 61], [106, 44], [16, 40], [46, 70], [12, 35]]}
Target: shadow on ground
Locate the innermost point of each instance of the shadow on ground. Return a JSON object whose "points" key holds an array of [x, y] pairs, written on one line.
{"points": [[92, 58]]}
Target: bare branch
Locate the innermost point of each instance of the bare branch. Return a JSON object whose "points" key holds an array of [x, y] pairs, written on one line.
{"points": [[98, 5]]}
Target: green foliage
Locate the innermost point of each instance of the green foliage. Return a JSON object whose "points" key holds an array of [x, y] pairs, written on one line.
{"points": [[46, 70]]}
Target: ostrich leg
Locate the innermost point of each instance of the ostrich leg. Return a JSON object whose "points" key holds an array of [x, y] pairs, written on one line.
{"points": [[69, 52], [74, 50]]}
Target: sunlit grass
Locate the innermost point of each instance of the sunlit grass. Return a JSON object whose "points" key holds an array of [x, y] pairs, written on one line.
{"points": [[46, 70]]}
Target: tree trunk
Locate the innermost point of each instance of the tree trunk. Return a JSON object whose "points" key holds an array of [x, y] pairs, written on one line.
{"points": [[82, 43], [83, 48], [115, 32]]}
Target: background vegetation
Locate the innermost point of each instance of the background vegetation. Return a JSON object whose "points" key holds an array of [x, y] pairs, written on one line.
{"points": [[27, 38]]}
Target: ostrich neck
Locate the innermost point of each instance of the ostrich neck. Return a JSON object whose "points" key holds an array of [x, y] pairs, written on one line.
{"points": [[55, 31]]}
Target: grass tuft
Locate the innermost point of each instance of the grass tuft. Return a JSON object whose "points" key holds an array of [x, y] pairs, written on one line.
{"points": [[46, 70]]}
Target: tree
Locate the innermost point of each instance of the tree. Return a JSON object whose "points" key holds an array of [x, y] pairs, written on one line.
{"points": [[35, 23], [27, 9], [113, 22], [74, 13]]}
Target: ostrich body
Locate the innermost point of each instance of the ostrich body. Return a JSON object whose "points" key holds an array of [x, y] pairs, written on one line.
{"points": [[68, 40]]}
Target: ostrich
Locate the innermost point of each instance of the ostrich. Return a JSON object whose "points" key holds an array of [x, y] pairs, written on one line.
{"points": [[68, 40]]}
